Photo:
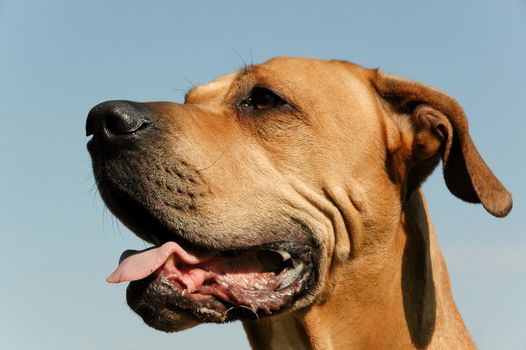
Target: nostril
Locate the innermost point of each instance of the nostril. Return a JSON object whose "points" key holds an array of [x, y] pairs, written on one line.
{"points": [[123, 120]]}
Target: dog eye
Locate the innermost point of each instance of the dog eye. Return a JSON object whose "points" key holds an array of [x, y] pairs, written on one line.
{"points": [[262, 99]]}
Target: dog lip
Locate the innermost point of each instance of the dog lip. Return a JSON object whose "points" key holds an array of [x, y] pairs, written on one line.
{"points": [[220, 296]]}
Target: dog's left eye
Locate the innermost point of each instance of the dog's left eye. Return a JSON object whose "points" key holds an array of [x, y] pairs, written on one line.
{"points": [[262, 99]]}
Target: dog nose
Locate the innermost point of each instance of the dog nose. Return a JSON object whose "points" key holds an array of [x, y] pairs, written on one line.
{"points": [[114, 119]]}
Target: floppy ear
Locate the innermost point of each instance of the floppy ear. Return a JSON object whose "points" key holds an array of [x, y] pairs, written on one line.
{"points": [[442, 128]]}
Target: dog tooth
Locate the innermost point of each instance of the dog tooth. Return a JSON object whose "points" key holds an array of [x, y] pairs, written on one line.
{"points": [[290, 276], [284, 255], [170, 260]]}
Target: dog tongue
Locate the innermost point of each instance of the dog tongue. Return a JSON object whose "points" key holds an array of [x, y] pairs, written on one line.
{"points": [[135, 265], [251, 278]]}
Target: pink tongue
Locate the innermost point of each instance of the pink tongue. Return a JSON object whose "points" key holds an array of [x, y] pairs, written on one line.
{"points": [[140, 264]]}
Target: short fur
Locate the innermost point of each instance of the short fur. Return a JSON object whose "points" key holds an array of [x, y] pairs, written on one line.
{"points": [[346, 157]]}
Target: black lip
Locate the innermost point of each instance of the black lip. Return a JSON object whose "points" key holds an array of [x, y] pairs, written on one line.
{"points": [[153, 296]]}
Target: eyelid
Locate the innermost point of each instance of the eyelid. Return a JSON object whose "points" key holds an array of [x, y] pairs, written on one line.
{"points": [[244, 103]]}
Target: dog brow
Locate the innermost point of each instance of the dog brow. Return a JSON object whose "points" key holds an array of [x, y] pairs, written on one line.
{"points": [[242, 73], [189, 92]]}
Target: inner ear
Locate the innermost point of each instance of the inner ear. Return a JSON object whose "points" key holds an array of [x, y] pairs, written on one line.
{"points": [[432, 138], [432, 133]]}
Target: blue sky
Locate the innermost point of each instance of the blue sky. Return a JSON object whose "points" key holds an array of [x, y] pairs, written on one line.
{"points": [[59, 58]]}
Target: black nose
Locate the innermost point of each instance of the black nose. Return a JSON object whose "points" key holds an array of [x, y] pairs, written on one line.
{"points": [[114, 119]]}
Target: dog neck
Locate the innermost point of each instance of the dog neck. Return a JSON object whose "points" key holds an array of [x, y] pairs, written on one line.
{"points": [[408, 304]]}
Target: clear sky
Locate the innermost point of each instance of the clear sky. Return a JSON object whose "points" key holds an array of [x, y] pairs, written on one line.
{"points": [[59, 58]]}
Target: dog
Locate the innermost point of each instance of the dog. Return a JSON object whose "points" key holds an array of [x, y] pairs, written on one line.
{"points": [[288, 196]]}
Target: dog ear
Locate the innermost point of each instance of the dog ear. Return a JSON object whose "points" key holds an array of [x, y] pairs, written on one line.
{"points": [[441, 128]]}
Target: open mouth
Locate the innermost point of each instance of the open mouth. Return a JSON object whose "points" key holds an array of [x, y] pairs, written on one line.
{"points": [[211, 285], [261, 279]]}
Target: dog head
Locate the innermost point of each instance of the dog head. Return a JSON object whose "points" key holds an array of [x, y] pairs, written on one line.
{"points": [[264, 183]]}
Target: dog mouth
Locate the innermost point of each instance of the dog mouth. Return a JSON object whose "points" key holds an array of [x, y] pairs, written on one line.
{"points": [[206, 284], [261, 280]]}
